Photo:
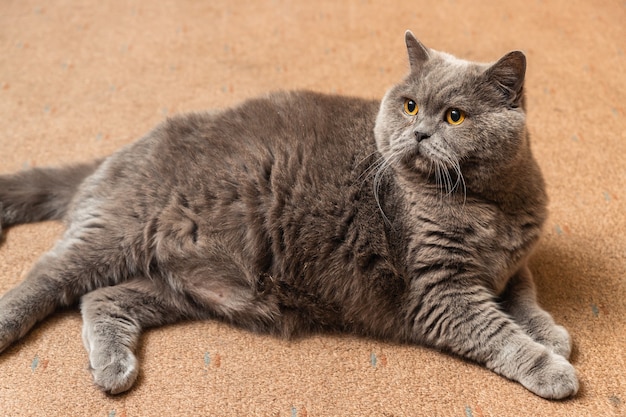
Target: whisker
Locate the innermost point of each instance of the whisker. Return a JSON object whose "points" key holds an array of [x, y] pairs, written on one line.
{"points": [[370, 170], [386, 164], [452, 187], [371, 167], [447, 180], [460, 180], [367, 156], [439, 177]]}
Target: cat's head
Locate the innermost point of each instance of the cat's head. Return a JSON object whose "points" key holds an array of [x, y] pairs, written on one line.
{"points": [[452, 121]]}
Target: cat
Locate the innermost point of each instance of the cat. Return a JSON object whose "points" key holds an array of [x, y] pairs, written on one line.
{"points": [[409, 219]]}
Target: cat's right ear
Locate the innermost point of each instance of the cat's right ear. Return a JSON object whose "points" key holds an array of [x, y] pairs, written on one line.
{"points": [[418, 53], [508, 75]]}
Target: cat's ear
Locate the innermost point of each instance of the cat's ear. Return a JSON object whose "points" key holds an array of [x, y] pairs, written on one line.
{"points": [[418, 53], [508, 76]]}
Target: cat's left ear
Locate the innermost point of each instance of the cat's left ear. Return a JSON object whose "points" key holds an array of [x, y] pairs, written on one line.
{"points": [[508, 76], [418, 53]]}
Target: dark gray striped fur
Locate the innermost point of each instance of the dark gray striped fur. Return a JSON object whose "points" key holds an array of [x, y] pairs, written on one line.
{"points": [[303, 212]]}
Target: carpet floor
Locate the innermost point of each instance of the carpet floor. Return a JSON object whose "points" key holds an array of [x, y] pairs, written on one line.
{"points": [[79, 79]]}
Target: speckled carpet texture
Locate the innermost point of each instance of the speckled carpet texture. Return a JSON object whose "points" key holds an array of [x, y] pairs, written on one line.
{"points": [[79, 79]]}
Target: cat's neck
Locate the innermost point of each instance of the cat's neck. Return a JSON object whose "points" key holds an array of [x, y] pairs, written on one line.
{"points": [[520, 188]]}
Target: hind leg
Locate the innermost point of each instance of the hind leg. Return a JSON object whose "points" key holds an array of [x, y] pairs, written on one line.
{"points": [[520, 301], [72, 268], [113, 318]]}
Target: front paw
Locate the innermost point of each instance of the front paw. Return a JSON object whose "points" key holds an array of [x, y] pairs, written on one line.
{"points": [[114, 371], [559, 341], [5, 339], [543, 330], [10, 330], [552, 377], [1, 216]]}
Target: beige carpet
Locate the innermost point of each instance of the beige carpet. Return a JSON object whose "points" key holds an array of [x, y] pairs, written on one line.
{"points": [[79, 78]]}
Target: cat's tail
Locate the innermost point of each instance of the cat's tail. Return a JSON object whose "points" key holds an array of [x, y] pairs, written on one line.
{"points": [[40, 193]]}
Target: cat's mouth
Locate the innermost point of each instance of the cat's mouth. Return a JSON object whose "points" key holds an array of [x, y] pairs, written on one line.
{"points": [[422, 156], [426, 155], [411, 155], [439, 166]]}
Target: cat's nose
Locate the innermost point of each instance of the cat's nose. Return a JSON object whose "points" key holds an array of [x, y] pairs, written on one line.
{"points": [[420, 136]]}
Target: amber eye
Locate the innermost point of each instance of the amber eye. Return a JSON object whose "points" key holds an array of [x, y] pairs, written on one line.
{"points": [[455, 116], [410, 107]]}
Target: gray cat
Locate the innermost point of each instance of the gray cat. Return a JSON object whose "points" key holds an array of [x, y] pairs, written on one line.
{"points": [[409, 220]]}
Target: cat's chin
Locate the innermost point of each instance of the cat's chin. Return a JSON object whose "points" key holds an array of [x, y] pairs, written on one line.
{"points": [[432, 171], [413, 163], [421, 162], [420, 169]]}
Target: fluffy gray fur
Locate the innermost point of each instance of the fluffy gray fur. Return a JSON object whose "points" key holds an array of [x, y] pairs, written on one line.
{"points": [[302, 212]]}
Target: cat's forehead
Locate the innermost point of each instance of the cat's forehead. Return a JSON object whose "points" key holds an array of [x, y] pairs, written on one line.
{"points": [[452, 61], [447, 68], [445, 75]]}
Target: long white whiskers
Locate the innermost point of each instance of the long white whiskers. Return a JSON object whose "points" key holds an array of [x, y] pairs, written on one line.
{"points": [[386, 164]]}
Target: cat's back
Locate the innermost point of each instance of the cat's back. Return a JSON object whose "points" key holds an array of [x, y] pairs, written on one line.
{"points": [[302, 125], [279, 121], [278, 136], [274, 160]]}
